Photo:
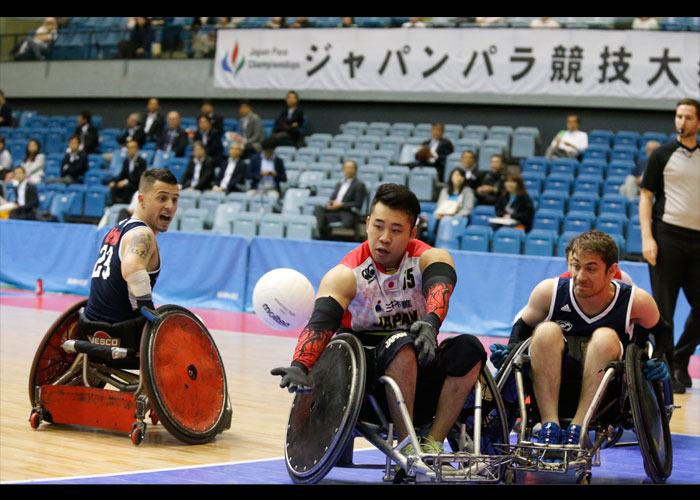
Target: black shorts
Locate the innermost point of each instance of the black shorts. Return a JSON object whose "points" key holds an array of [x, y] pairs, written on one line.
{"points": [[455, 356]]}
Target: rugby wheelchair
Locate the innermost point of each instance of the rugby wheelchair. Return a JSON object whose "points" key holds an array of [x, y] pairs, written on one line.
{"points": [[164, 363], [324, 424], [624, 400]]}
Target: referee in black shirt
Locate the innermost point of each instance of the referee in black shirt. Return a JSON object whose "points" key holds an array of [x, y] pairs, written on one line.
{"points": [[669, 213]]}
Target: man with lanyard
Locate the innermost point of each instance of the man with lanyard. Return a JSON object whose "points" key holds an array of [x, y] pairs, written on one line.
{"points": [[129, 261], [393, 293], [669, 215]]}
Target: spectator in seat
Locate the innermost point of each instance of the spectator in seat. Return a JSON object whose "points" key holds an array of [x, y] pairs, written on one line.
{"points": [[631, 188], [174, 138], [74, 164], [252, 130], [141, 38], [5, 159], [276, 23], [126, 184], [210, 137], [5, 111], [154, 123], [413, 22], [266, 171], [470, 168], [134, 131], [289, 125], [544, 22], [433, 153], [36, 47], [456, 198], [347, 198], [569, 143], [34, 161], [515, 204], [207, 109], [87, 132], [27, 196], [491, 184], [302, 22], [233, 175], [645, 23], [200, 170]]}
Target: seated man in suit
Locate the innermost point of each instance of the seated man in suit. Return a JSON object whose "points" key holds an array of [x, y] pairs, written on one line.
{"points": [[348, 196], [252, 130], [233, 174], [174, 138], [266, 171], [87, 132], [210, 137], [289, 125], [216, 120], [134, 130], [492, 184], [27, 196], [154, 123], [74, 164], [126, 184], [433, 153], [200, 170]]}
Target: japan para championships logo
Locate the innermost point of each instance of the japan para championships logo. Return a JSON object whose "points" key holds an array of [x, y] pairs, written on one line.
{"points": [[234, 67]]}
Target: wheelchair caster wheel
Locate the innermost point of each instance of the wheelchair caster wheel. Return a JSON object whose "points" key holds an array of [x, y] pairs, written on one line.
{"points": [[35, 419], [137, 433], [584, 478], [509, 477]]}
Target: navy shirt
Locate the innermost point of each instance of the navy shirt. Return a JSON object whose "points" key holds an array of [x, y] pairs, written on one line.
{"points": [[565, 311], [110, 299]]}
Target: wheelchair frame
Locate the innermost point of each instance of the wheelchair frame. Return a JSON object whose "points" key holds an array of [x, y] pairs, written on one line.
{"points": [[77, 396], [529, 456], [473, 466]]}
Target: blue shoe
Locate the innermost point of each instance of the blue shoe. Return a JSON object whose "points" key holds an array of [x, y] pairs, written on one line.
{"points": [[550, 434], [572, 435]]}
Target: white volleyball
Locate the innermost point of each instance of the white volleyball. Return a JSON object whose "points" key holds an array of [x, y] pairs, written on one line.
{"points": [[283, 299]]}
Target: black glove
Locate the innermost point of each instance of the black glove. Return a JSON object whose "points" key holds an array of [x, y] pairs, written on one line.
{"points": [[294, 378], [425, 342]]}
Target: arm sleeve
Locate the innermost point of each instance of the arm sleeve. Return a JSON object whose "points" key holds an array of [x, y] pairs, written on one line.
{"points": [[325, 320], [439, 280]]}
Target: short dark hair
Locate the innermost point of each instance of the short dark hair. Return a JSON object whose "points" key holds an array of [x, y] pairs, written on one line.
{"points": [[149, 177], [596, 242], [268, 144], [690, 102], [398, 197], [86, 115]]}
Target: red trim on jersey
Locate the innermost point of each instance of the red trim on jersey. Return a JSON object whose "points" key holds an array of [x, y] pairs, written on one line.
{"points": [[354, 258], [618, 274]]}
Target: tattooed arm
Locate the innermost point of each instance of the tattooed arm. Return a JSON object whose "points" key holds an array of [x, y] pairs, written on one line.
{"points": [[137, 250]]}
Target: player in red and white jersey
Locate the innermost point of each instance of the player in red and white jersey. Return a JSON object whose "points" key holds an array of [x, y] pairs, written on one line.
{"points": [[393, 293]]}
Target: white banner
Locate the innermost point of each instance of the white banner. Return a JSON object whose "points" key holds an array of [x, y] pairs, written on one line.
{"points": [[590, 63]]}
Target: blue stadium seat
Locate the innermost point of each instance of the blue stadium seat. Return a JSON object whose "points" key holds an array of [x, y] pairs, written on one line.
{"points": [[96, 197], [382, 157], [272, 226], [612, 184], [422, 181], [525, 142], [476, 238], [613, 203], [225, 215], [536, 164], [475, 131], [559, 182], [95, 177], [547, 219], [79, 190], [591, 166], [354, 127], [634, 237], [294, 200], [210, 201], [449, 230], [481, 214], [627, 138], [555, 200], [45, 198], [246, 224], [596, 152], [588, 184], [331, 155], [177, 166], [343, 141], [306, 154], [285, 152], [611, 223], [583, 202], [508, 240], [193, 220], [401, 129], [620, 168], [540, 242], [567, 166], [368, 142], [623, 153], [359, 156], [301, 227], [601, 137], [61, 205], [319, 141], [396, 174], [563, 241], [578, 221]]}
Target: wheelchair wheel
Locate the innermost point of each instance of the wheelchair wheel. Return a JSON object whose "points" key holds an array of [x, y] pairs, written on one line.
{"points": [[51, 361], [505, 381], [322, 422], [650, 418], [184, 376], [495, 423]]}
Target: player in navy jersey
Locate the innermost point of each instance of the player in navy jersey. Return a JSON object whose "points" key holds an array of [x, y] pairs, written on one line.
{"points": [[589, 304], [129, 261]]}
